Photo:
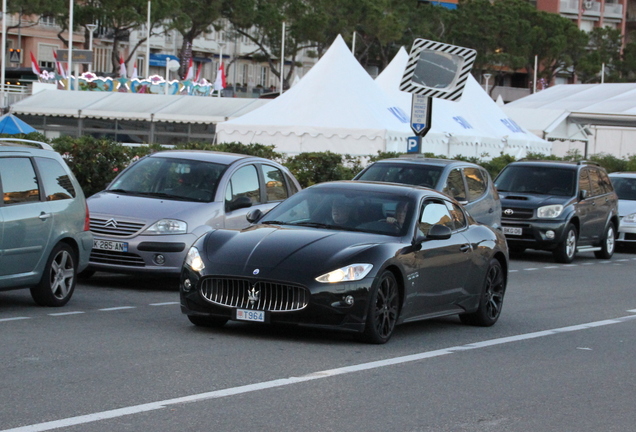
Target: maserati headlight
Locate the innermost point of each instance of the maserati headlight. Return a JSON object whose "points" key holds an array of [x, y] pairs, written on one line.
{"points": [[168, 226], [351, 272], [630, 218], [194, 261], [550, 212]]}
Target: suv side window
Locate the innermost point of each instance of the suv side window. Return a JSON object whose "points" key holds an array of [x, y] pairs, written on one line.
{"points": [[476, 183], [57, 184], [244, 183], [19, 182], [455, 185], [584, 181], [274, 184], [606, 183], [595, 182]]}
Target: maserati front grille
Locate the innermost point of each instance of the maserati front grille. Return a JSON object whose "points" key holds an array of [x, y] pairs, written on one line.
{"points": [[257, 295]]}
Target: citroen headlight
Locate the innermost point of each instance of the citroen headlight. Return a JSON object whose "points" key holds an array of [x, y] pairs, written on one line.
{"points": [[630, 218], [168, 226], [351, 272], [550, 212], [194, 261]]}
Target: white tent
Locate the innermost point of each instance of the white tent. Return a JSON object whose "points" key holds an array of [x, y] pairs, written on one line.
{"points": [[592, 118], [335, 107], [471, 127]]}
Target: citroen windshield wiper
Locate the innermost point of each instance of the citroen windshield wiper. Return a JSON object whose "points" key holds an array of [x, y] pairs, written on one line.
{"points": [[123, 191], [166, 195], [274, 222]]}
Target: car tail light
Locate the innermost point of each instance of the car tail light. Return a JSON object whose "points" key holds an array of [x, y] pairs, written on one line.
{"points": [[87, 221]]}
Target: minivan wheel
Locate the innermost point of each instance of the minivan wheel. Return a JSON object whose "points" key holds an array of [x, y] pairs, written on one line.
{"points": [[608, 244], [58, 278], [564, 253]]}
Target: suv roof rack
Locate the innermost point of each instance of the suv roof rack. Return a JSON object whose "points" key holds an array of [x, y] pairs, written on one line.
{"points": [[24, 143], [587, 162]]}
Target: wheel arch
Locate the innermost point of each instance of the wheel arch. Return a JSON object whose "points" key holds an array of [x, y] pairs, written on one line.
{"points": [[399, 277], [499, 256]]}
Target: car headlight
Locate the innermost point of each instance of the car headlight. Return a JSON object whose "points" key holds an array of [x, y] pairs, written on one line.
{"points": [[550, 212], [168, 226], [351, 272], [194, 261], [630, 218]]}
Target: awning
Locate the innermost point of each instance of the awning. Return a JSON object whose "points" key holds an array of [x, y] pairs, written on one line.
{"points": [[160, 59]]}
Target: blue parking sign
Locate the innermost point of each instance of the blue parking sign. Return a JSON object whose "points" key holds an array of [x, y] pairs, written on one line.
{"points": [[413, 145]]}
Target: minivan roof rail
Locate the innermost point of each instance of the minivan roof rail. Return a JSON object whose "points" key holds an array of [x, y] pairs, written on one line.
{"points": [[22, 142]]}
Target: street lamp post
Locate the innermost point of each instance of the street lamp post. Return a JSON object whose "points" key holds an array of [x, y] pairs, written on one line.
{"points": [[91, 29], [147, 63], [487, 76], [171, 65], [70, 48], [3, 53]]}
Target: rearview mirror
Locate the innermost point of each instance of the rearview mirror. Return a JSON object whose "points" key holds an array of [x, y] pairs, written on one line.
{"points": [[238, 203], [254, 215], [582, 195], [439, 232]]}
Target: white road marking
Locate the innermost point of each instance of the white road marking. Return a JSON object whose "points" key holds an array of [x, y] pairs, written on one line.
{"points": [[136, 409], [550, 267], [66, 313], [14, 319], [530, 268], [164, 304], [117, 308]]}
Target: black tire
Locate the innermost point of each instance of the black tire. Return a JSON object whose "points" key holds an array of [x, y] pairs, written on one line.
{"points": [[58, 279], [565, 252], [202, 321], [608, 246], [384, 309], [491, 300]]}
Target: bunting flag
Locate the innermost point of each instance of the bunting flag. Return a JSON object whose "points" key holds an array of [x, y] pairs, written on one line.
{"points": [[122, 67], [198, 77], [219, 84], [134, 75], [58, 66], [190, 73], [34, 66]]}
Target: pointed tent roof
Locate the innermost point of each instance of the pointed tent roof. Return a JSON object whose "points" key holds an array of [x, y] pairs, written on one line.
{"points": [[336, 99], [11, 125], [474, 120]]}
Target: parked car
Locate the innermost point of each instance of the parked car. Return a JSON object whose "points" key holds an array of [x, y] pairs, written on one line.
{"points": [[470, 184], [563, 207], [149, 216], [44, 229], [625, 186], [355, 256]]}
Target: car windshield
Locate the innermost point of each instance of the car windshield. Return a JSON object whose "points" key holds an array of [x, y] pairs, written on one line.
{"points": [[167, 178], [625, 188], [537, 180], [418, 175], [345, 210]]}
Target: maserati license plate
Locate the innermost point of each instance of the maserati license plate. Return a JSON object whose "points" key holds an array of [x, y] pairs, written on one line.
{"points": [[250, 315]]}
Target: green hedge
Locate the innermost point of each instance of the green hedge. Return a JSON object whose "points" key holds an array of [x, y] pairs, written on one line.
{"points": [[96, 162]]}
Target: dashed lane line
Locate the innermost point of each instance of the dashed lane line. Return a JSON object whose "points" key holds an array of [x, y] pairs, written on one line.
{"points": [[110, 309], [117, 308], [250, 388]]}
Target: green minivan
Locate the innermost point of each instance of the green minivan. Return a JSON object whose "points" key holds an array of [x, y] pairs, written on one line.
{"points": [[44, 222]]}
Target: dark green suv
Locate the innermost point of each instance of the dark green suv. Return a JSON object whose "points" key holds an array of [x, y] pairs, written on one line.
{"points": [[563, 207], [44, 223]]}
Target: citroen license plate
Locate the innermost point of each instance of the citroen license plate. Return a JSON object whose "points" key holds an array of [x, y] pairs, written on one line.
{"points": [[250, 315], [513, 230], [110, 245]]}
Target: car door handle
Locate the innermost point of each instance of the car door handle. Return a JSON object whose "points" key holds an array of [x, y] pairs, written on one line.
{"points": [[465, 248], [44, 216]]}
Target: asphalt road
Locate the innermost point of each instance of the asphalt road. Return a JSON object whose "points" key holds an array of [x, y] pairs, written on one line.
{"points": [[121, 357]]}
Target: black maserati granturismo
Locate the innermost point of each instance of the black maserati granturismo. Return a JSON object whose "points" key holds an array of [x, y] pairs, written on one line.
{"points": [[356, 256]]}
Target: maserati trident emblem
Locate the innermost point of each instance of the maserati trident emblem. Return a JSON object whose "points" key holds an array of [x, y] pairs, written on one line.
{"points": [[111, 223], [509, 212], [256, 271], [253, 296]]}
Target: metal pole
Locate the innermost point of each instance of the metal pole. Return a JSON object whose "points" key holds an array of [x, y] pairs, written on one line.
{"points": [[534, 81], [282, 61], [3, 53], [167, 74], [70, 47], [91, 29], [220, 65], [603, 73], [147, 64], [353, 44]]}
